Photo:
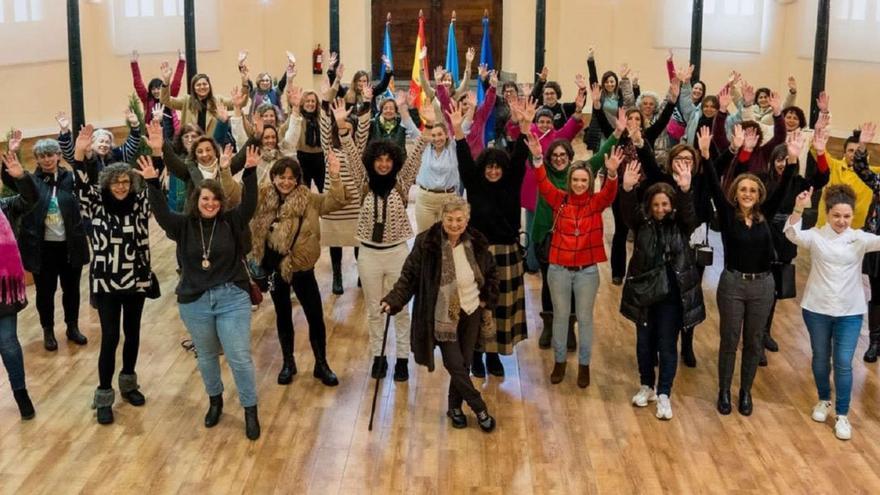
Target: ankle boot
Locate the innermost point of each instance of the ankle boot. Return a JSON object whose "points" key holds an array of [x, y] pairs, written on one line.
{"points": [[724, 406], [215, 409], [323, 372], [547, 331], [288, 369], [558, 373], [687, 347], [572, 344], [873, 350], [493, 364], [251, 423], [128, 389], [74, 335], [873, 334], [583, 375], [25, 406], [103, 404], [337, 278], [49, 341], [477, 367], [380, 367], [401, 370], [745, 403]]}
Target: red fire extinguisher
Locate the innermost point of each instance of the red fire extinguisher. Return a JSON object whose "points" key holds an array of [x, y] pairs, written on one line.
{"points": [[318, 60]]}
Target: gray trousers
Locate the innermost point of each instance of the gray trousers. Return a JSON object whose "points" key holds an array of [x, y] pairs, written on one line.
{"points": [[457, 358], [743, 307]]}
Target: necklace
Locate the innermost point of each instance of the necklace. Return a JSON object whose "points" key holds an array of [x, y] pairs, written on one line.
{"points": [[206, 251]]}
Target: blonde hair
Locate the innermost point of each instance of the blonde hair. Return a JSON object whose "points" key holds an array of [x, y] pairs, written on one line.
{"points": [[454, 204], [762, 195]]}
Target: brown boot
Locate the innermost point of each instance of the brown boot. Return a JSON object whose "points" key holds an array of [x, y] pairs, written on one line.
{"points": [[583, 375], [558, 373]]}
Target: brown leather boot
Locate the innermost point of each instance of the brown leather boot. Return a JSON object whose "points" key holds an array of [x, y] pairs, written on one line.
{"points": [[583, 375], [558, 373]]}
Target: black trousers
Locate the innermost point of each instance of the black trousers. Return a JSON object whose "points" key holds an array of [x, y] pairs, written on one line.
{"points": [[618, 242], [743, 309], [305, 287], [111, 308], [54, 265], [313, 168], [457, 358], [336, 255], [659, 336]]}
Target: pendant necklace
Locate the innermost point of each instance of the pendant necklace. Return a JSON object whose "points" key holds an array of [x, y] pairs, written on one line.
{"points": [[206, 251]]}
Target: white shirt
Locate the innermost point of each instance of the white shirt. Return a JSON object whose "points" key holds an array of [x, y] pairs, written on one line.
{"points": [[834, 287], [468, 292]]}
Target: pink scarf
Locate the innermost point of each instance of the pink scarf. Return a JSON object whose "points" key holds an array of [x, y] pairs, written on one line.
{"points": [[12, 287]]}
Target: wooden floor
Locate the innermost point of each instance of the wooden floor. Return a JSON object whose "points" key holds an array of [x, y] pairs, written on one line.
{"points": [[550, 439]]}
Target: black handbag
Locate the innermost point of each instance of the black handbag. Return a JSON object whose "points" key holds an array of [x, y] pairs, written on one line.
{"points": [[648, 287], [154, 291], [784, 280], [704, 254], [542, 250]]}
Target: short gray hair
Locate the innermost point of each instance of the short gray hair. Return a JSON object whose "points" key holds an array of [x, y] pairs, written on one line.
{"points": [[47, 147], [456, 203]]}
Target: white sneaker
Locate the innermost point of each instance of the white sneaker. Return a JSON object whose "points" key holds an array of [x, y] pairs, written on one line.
{"points": [[842, 428], [644, 395], [664, 407], [820, 410]]}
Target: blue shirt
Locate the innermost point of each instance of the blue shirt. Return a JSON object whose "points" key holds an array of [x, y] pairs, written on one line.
{"points": [[439, 172]]}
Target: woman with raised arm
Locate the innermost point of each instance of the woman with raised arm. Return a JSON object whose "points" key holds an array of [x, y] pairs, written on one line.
{"points": [[213, 291], [150, 94], [548, 95], [393, 122], [746, 289], [102, 151], [116, 203], [492, 183], [662, 223], [309, 153], [452, 275], [286, 238], [438, 178], [13, 296], [576, 248], [181, 145], [757, 160], [199, 105], [52, 240], [382, 181], [359, 94]]}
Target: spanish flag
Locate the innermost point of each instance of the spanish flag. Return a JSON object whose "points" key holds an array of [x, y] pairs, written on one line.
{"points": [[415, 88]]}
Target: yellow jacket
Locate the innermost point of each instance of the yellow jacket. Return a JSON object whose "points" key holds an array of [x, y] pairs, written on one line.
{"points": [[841, 173]]}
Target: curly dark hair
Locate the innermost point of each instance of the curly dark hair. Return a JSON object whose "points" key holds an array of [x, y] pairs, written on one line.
{"points": [[836, 194], [751, 124], [200, 140], [381, 147], [565, 144], [192, 206], [555, 87], [109, 174], [798, 112], [491, 156], [283, 164]]}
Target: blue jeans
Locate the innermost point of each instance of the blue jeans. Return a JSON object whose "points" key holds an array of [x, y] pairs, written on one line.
{"points": [[835, 336], [585, 284], [222, 317], [10, 351]]}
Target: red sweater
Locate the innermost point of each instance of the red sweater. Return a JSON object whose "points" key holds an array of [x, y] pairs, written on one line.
{"points": [[578, 234]]}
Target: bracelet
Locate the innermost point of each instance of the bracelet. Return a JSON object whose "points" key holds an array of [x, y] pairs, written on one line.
{"points": [[796, 211]]}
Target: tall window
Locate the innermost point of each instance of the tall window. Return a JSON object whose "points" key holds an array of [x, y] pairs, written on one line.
{"points": [[728, 25], [21, 11], [156, 26], [151, 8], [853, 31]]}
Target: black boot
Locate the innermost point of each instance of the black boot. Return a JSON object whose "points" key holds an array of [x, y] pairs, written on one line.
{"points": [[103, 404], [380, 367], [251, 423], [724, 406], [873, 334], [324, 373], [745, 403], [493, 364], [337, 277], [873, 351], [215, 409], [128, 389], [74, 335], [486, 421], [288, 369], [547, 331], [49, 341], [477, 367], [572, 344], [687, 347], [769, 342], [401, 370], [25, 406]]}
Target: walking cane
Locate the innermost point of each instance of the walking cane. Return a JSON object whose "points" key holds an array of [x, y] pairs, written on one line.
{"points": [[376, 391]]}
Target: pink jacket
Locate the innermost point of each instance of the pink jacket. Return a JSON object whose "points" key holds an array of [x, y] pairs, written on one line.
{"points": [[476, 137]]}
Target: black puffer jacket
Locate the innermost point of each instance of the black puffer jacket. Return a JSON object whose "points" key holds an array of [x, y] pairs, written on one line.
{"points": [[33, 224], [671, 236], [420, 277]]}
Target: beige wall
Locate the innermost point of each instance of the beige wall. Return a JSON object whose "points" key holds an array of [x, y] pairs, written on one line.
{"points": [[620, 30]]}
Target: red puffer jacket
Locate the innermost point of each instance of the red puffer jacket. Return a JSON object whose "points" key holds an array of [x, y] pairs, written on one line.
{"points": [[577, 237]]}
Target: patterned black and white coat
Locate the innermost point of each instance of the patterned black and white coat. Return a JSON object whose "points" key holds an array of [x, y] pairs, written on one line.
{"points": [[120, 242]]}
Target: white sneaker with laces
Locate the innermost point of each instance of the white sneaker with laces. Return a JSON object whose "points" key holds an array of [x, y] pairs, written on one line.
{"points": [[820, 410], [664, 407], [644, 395], [842, 428]]}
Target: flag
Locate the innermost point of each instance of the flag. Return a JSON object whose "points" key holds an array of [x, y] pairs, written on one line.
{"points": [[486, 58], [452, 54], [386, 50], [415, 87]]}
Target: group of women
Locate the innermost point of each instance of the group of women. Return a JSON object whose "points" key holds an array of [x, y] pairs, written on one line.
{"points": [[231, 185]]}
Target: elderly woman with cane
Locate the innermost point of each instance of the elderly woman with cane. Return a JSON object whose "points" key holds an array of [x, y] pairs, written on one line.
{"points": [[452, 275]]}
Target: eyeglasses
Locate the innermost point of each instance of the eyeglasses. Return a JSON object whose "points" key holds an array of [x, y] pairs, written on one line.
{"points": [[683, 159], [557, 156]]}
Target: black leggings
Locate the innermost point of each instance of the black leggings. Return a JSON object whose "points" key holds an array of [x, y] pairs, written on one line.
{"points": [[618, 242], [305, 287], [336, 255], [111, 307], [312, 167], [54, 266]]}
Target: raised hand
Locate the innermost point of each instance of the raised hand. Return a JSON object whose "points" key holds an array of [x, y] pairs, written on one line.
{"points": [[291, 69], [222, 113], [456, 115], [591, 52], [257, 122], [823, 121], [635, 79], [84, 139], [670, 55], [237, 96], [820, 140], [242, 57], [181, 55], [534, 146], [14, 140], [686, 73], [165, 70], [470, 55], [63, 121], [794, 143], [147, 170], [331, 62], [775, 103], [682, 175], [739, 137], [483, 71], [792, 84], [635, 133], [803, 200], [869, 129], [580, 81], [823, 101], [333, 164], [724, 99], [516, 109], [704, 139], [544, 74], [620, 123], [252, 157], [526, 88], [615, 158], [674, 90], [367, 93], [579, 101], [134, 56], [291, 58], [13, 166], [340, 113], [751, 140], [426, 111], [158, 111], [529, 109], [400, 97], [226, 157], [631, 175], [748, 92], [340, 72], [131, 118], [438, 73], [625, 71], [294, 97], [155, 137], [493, 78], [596, 94]]}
